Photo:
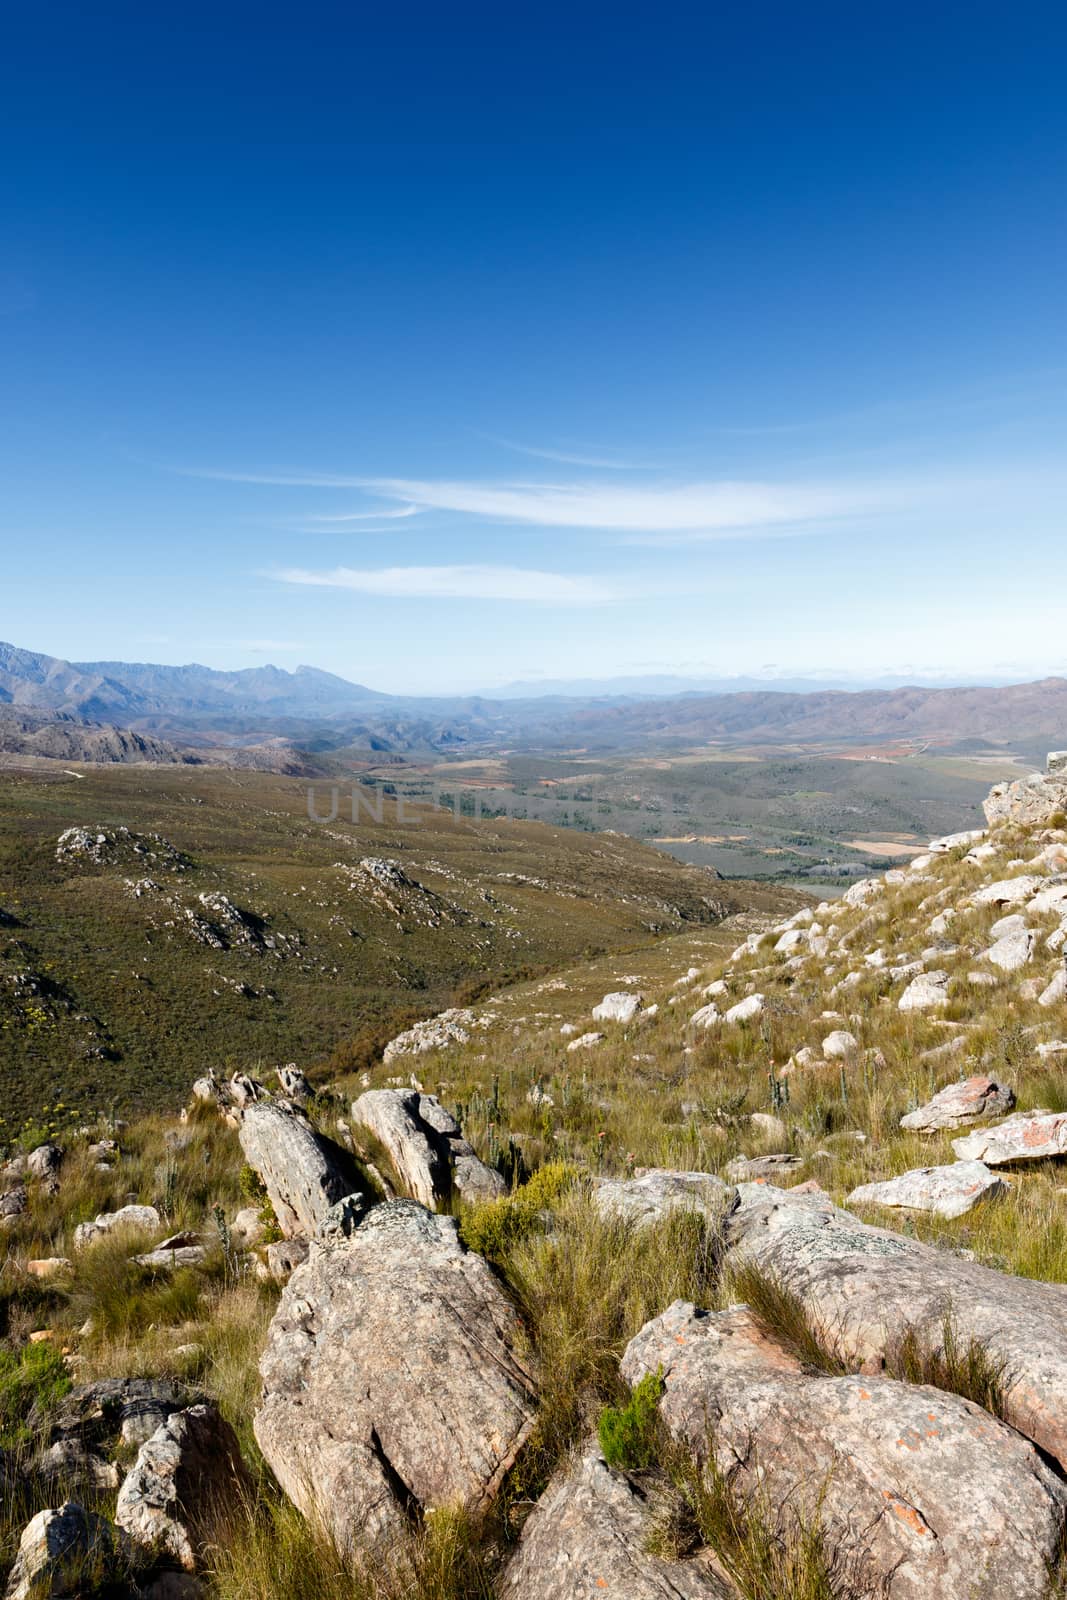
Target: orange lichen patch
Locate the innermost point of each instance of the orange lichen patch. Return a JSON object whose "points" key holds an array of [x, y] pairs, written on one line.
{"points": [[865, 1394], [908, 1515], [911, 1440]]}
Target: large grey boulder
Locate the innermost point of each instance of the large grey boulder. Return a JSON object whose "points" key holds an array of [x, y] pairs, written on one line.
{"points": [[863, 1285], [1012, 950], [657, 1192], [392, 1378], [946, 1191], [188, 1476], [959, 1103], [1009, 891], [426, 1146], [917, 1489], [304, 1173], [62, 1552], [1027, 1136], [588, 1535]]}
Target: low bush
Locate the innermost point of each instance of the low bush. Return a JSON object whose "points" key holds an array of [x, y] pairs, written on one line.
{"points": [[628, 1434]]}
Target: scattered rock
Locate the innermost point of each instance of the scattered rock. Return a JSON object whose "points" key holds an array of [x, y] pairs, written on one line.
{"points": [[284, 1256], [586, 1041], [1027, 1136], [449, 1027], [926, 992], [959, 1103], [655, 1192], [1012, 950], [946, 1191], [751, 1169], [620, 1007], [746, 1010], [1008, 891], [840, 1045], [391, 1378], [142, 1219]]}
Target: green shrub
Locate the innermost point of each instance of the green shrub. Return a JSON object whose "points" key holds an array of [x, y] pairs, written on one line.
{"points": [[33, 1376], [496, 1226], [628, 1436]]}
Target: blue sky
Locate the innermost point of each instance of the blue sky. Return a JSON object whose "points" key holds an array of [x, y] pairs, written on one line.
{"points": [[474, 343]]}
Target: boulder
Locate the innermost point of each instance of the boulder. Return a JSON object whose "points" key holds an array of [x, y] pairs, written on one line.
{"points": [[1031, 800], [180, 1250], [304, 1172], [620, 1007], [706, 1017], [283, 1257], [44, 1164], [959, 1103], [917, 1490], [956, 841], [586, 1041], [746, 1010], [946, 1191], [589, 1535], [1008, 891], [426, 1146], [1012, 950], [863, 1285], [655, 1192], [188, 1476], [840, 1045], [143, 1219], [1056, 991], [766, 1123], [927, 991], [1027, 1136], [392, 1379], [61, 1552]]}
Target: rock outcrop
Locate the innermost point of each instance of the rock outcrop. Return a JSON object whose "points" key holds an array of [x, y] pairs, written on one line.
{"points": [[392, 1378], [862, 1286], [187, 1479], [656, 1192], [917, 1489], [62, 1552], [1027, 1136], [426, 1146], [589, 1535], [304, 1173]]}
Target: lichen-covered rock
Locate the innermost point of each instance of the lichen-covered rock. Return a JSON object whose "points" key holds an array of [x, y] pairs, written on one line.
{"points": [[746, 1010], [946, 1191], [863, 1285], [187, 1477], [959, 1103], [392, 1378], [435, 1033], [919, 1490], [304, 1172], [426, 1147], [656, 1192], [1031, 800], [1024, 1137], [588, 1536]]}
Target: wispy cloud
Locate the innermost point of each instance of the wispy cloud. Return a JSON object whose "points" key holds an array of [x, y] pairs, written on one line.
{"points": [[571, 458], [388, 515], [723, 508], [471, 582]]}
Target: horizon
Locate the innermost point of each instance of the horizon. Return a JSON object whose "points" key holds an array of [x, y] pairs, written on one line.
{"points": [[615, 349]]}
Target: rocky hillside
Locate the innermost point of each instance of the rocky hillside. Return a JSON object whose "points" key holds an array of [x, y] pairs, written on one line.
{"points": [[157, 922], [702, 1272]]}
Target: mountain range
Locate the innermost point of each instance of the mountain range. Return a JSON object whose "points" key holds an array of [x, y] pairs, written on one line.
{"points": [[267, 716]]}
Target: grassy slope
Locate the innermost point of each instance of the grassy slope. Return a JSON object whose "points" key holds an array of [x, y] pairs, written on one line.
{"points": [[123, 1009]]}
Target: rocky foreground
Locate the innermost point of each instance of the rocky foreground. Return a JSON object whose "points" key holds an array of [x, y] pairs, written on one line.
{"points": [[618, 1305]]}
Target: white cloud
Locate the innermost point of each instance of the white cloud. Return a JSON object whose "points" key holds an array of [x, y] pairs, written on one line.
{"points": [[463, 583], [390, 515], [572, 459], [723, 508]]}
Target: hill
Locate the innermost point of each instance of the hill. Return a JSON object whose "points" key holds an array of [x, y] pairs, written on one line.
{"points": [[158, 920]]}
